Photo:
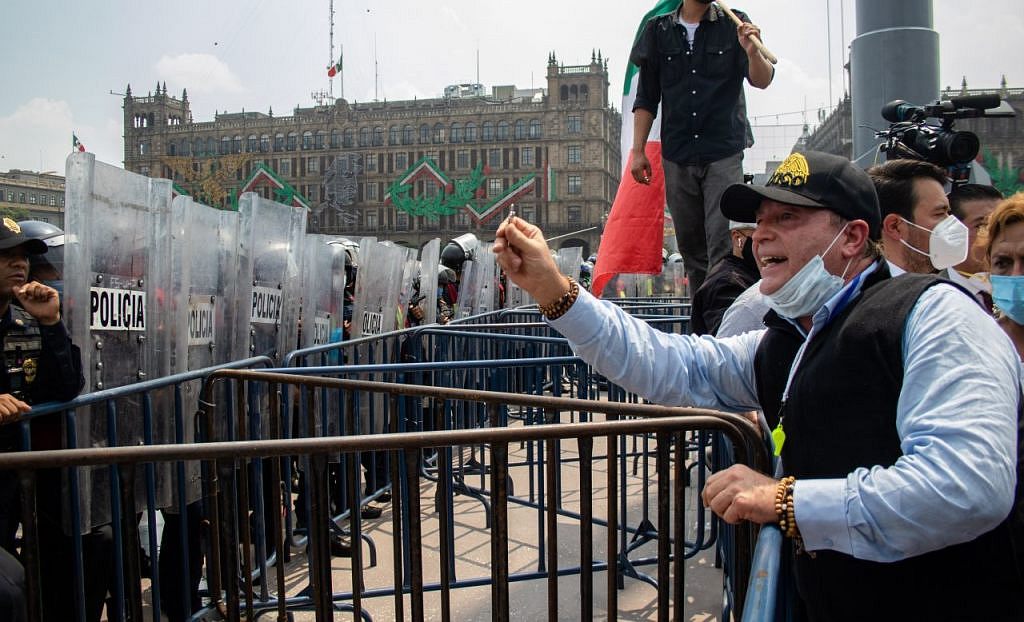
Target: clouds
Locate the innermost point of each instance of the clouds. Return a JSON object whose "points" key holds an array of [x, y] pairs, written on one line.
{"points": [[203, 74], [37, 136]]}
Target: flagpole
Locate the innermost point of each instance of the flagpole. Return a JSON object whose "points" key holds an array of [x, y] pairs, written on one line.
{"points": [[330, 59]]}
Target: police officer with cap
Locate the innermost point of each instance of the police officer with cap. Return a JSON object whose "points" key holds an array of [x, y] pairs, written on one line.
{"points": [[40, 364]]}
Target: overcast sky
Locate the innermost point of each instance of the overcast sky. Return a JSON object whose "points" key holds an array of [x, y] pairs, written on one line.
{"points": [[62, 60]]}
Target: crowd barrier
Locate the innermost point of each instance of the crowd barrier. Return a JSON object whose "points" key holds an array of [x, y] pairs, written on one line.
{"points": [[234, 593], [464, 391]]}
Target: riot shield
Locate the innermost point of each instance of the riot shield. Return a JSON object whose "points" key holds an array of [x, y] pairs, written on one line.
{"points": [[203, 286], [271, 235], [569, 261], [323, 290], [468, 290], [378, 285], [409, 288], [479, 290], [116, 275], [428, 279]]}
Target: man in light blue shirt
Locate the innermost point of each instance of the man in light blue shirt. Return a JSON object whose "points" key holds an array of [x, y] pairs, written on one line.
{"points": [[894, 402]]}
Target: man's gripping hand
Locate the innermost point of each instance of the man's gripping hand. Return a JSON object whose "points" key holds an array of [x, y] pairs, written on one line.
{"points": [[11, 408], [524, 256], [740, 493], [41, 301]]}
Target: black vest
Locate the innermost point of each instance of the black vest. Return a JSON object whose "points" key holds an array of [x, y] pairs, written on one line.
{"points": [[841, 415]]}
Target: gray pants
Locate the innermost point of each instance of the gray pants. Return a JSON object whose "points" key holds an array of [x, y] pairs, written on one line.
{"points": [[693, 194]]}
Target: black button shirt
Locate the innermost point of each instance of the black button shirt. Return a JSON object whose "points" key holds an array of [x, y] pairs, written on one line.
{"points": [[700, 88]]}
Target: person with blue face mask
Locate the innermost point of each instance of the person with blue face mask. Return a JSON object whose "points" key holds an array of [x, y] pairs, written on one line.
{"points": [[894, 402], [1005, 253]]}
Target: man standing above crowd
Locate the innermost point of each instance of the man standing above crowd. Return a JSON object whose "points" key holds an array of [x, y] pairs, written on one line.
{"points": [[971, 204], [693, 62], [918, 233], [894, 402]]}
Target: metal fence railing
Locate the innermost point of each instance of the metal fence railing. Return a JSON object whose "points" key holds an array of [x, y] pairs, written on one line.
{"points": [[240, 582]]}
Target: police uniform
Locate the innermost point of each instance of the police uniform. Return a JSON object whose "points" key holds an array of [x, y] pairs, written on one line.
{"points": [[39, 364]]}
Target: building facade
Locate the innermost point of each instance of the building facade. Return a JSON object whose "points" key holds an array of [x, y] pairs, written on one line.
{"points": [[406, 171], [28, 195]]}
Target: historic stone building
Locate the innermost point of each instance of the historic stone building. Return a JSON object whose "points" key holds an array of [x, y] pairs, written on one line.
{"points": [[407, 171], [1002, 138], [33, 196]]}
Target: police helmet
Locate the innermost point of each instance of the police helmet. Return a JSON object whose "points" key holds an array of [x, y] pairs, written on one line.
{"points": [[445, 275], [675, 258], [593, 258], [586, 268], [48, 266], [460, 249]]}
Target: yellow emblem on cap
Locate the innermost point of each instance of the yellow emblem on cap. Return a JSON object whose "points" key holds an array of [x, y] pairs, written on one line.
{"points": [[29, 366], [12, 226], [793, 171]]}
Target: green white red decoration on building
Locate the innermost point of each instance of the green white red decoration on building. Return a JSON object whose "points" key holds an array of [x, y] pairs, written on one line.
{"points": [[76, 145], [453, 194], [282, 190]]}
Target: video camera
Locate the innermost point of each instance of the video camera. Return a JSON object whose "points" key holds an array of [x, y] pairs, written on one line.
{"points": [[911, 136]]}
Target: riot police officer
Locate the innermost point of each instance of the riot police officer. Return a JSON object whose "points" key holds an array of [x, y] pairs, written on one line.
{"points": [[39, 364]]}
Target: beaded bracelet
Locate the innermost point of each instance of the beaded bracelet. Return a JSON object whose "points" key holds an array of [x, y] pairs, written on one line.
{"points": [[558, 308]]}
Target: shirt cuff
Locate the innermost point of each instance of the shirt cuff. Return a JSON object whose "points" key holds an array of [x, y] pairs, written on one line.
{"points": [[820, 510], [574, 324]]}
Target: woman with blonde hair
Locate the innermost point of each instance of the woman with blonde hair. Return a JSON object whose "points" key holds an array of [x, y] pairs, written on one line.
{"points": [[1006, 258]]}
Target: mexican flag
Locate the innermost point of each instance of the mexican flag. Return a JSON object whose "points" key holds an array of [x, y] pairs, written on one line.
{"points": [[335, 69], [634, 233], [76, 145]]}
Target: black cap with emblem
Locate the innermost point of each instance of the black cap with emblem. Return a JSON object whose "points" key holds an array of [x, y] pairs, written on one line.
{"points": [[811, 179], [11, 236]]}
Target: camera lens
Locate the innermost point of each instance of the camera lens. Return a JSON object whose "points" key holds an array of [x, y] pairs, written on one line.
{"points": [[960, 146]]}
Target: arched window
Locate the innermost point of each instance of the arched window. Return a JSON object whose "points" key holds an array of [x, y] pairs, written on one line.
{"points": [[471, 132], [320, 141], [424, 134], [335, 139], [408, 135], [348, 138], [236, 144], [225, 145], [488, 131], [278, 142], [211, 146], [307, 140], [264, 143], [365, 136], [252, 143], [520, 129], [438, 133], [456, 133], [378, 136], [198, 147], [584, 92], [172, 149], [563, 93], [394, 135], [293, 141], [502, 130], [574, 92], [536, 129]]}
